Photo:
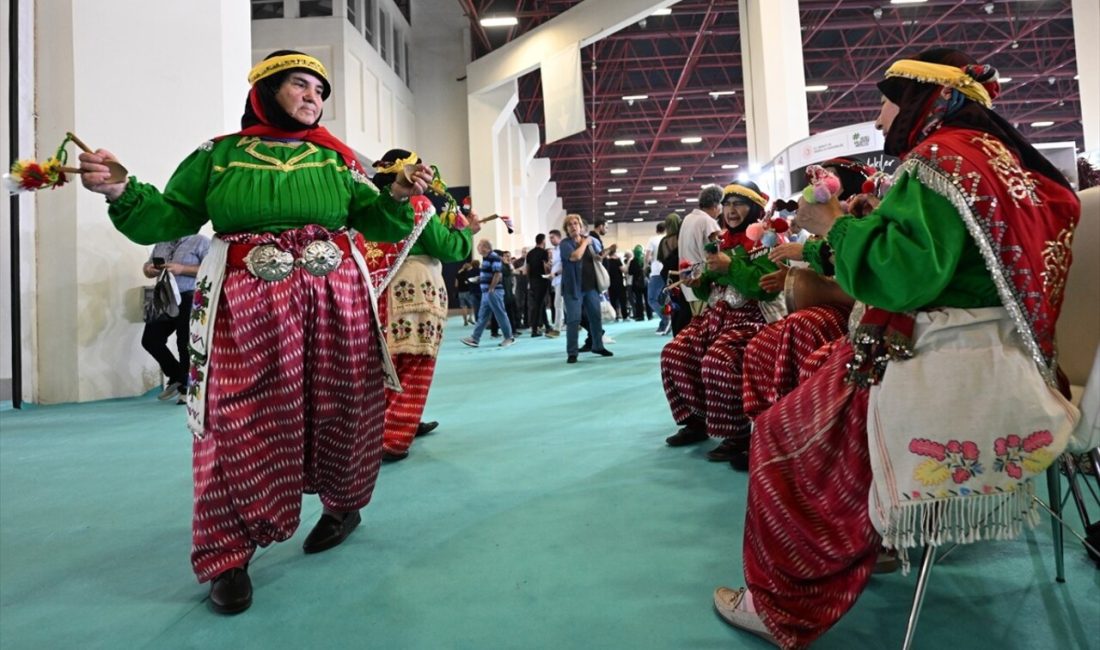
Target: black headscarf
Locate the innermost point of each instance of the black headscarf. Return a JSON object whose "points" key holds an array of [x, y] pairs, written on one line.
{"points": [[756, 212], [915, 99], [265, 90]]}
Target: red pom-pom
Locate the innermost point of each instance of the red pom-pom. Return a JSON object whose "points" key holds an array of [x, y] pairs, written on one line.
{"points": [[868, 187], [780, 225]]}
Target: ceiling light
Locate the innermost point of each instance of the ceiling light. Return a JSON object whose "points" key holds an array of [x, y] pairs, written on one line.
{"points": [[681, 210], [816, 88], [650, 201], [730, 166], [620, 170], [623, 143], [662, 12], [499, 21], [636, 219], [1004, 80], [719, 93], [1042, 124], [611, 203], [660, 188], [609, 214], [630, 98], [672, 169], [691, 139], [614, 189], [906, 2], [643, 211], [693, 199]]}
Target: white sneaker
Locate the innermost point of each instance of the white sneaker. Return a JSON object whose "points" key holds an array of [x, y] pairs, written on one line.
{"points": [[731, 606], [470, 342], [171, 391], [507, 342], [607, 339]]}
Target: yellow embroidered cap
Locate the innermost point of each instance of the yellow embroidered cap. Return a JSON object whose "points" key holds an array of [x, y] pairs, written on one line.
{"points": [[943, 75], [746, 192], [283, 62]]}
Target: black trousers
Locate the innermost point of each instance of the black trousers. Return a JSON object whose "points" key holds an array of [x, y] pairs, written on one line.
{"points": [[536, 303], [155, 341]]}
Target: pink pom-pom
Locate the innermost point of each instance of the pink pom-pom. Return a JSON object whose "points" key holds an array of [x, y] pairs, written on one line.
{"points": [[832, 183], [755, 231], [780, 225]]}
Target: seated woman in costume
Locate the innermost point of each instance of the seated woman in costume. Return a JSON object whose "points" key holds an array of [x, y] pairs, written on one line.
{"points": [[701, 366], [818, 310], [962, 267]]}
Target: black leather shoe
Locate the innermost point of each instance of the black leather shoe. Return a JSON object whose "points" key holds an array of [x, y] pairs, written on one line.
{"points": [[426, 427], [587, 347], [231, 592], [685, 436], [605, 353], [727, 450], [571, 358], [330, 531], [390, 457]]}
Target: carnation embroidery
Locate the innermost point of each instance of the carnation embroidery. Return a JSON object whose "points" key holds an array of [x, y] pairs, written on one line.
{"points": [[956, 461], [1016, 456]]}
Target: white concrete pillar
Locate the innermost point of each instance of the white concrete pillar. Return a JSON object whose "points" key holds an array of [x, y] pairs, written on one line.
{"points": [[775, 84], [110, 71], [488, 112], [1086, 26]]}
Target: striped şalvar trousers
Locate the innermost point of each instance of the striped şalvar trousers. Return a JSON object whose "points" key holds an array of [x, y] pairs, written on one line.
{"points": [[405, 409], [809, 546], [682, 365], [774, 356], [295, 405], [722, 379]]}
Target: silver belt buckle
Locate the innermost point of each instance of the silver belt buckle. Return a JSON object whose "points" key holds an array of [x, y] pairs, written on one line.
{"points": [[320, 257], [268, 262]]}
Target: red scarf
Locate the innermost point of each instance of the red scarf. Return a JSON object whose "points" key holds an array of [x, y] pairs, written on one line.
{"points": [[731, 240], [1022, 221]]}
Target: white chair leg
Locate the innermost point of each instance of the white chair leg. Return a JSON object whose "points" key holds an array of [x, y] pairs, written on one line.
{"points": [[918, 596]]}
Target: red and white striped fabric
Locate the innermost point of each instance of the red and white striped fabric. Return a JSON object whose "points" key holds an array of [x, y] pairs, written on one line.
{"points": [[722, 379], [809, 545], [404, 409], [774, 356], [682, 358], [295, 404]]}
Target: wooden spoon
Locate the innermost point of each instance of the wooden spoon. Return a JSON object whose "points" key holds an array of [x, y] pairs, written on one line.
{"points": [[118, 172]]}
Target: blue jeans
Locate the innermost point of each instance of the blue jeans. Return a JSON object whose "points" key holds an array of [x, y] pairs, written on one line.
{"points": [[492, 303], [653, 295], [590, 301]]}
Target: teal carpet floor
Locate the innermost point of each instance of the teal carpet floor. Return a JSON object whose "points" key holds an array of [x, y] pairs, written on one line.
{"points": [[545, 512]]}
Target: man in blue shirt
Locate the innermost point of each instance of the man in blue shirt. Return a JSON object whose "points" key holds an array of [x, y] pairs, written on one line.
{"points": [[181, 258], [492, 297]]}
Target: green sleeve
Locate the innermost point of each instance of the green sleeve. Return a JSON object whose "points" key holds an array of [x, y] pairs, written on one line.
{"points": [[902, 255], [744, 274], [442, 243], [148, 216], [379, 217], [815, 252]]}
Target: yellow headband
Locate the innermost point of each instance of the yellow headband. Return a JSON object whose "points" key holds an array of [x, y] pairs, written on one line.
{"points": [[398, 165], [741, 190], [943, 75], [276, 64]]}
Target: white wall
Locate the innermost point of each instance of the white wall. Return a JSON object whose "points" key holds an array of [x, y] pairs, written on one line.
{"points": [[371, 108], [439, 56], [167, 90]]}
